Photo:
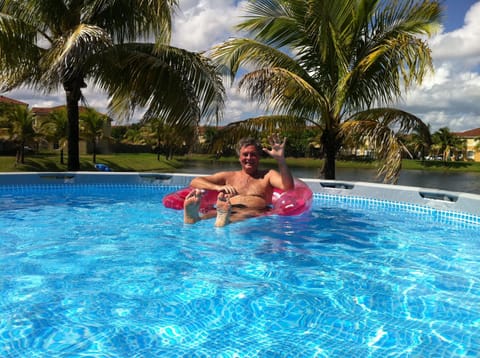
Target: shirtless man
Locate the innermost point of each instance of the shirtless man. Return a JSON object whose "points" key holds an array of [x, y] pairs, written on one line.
{"points": [[244, 193]]}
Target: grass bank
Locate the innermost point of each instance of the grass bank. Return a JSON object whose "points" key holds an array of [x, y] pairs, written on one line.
{"points": [[141, 162], [357, 164], [145, 162]]}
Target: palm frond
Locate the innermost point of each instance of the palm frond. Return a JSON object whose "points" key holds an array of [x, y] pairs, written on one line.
{"points": [[19, 56], [171, 83], [283, 91], [67, 57], [382, 128], [272, 22], [229, 135], [237, 53], [391, 53], [268, 124], [401, 121], [152, 18]]}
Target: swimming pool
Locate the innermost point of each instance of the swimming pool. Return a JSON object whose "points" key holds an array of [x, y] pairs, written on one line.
{"points": [[105, 270]]}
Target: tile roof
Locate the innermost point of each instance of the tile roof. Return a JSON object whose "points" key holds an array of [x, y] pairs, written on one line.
{"points": [[471, 133], [43, 111], [4, 99]]}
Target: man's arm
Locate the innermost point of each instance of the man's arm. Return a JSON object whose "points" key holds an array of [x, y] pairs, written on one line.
{"points": [[283, 181], [214, 182]]}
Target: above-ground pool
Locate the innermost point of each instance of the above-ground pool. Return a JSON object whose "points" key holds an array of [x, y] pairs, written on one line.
{"points": [[92, 270]]}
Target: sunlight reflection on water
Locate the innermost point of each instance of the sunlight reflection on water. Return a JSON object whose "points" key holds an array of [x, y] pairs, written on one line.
{"points": [[463, 182]]}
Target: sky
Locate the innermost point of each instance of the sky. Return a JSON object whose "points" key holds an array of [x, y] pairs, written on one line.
{"points": [[450, 97]]}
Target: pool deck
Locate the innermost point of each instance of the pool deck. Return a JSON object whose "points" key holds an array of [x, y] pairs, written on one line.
{"points": [[432, 198]]}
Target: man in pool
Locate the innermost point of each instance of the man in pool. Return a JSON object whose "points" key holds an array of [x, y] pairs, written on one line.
{"points": [[244, 193]]}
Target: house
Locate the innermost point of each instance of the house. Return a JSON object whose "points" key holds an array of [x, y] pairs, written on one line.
{"points": [[43, 112], [8, 100], [472, 139], [102, 147], [7, 146]]}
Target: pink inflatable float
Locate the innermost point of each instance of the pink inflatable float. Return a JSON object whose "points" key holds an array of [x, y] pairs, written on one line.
{"points": [[290, 202]]}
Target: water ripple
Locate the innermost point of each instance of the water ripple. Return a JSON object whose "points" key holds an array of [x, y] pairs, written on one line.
{"points": [[100, 275]]}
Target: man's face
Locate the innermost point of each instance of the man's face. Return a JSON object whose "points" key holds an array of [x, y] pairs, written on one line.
{"points": [[249, 158]]}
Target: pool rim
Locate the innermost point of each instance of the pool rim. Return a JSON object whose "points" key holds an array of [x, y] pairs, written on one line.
{"points": [[443, 200], [458, 202]]}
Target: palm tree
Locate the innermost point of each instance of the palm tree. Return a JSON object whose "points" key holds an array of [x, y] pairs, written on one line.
{"points": [[446, 144], [133, 135], [19, 125], [209, 136], [55, 128], [166, 138], [418, 143], [45, 45], [327, 63], [92, 126]]}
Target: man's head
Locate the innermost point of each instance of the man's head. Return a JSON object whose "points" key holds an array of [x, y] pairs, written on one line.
{"points": [[249, 151], [244, 142]]}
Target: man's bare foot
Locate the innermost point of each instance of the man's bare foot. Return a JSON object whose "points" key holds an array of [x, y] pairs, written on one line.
{"points": [[224, 209], [191, 206]]}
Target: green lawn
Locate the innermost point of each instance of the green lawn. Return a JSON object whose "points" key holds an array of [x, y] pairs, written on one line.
{"points": [[117, 162], [145, 162], [360, 164]]}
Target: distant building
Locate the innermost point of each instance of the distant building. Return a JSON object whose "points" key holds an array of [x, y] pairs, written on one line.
{"points": [[7, 146], [45, 111], [8, 100], [472, 139], [42, 112], [102, 147]]}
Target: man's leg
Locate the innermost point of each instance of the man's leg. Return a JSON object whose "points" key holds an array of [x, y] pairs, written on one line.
{"points": [[224, 209], [191, 207]]}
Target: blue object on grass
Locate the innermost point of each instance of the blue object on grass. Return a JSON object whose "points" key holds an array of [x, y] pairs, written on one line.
{"points": [[102, 168]]}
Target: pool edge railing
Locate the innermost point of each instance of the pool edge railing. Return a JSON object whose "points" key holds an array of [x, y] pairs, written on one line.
{"points": [[433, 198]]}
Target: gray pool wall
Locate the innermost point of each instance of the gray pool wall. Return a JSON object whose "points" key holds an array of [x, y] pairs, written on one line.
{"points": [[433, 198]]}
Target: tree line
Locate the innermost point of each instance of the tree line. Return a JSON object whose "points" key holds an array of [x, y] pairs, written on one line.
{"points": [[19, 125], [333, 66], [442, 144], [28, 132]]}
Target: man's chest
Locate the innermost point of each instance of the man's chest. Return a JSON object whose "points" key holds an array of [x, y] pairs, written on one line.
{"points": [[247, 185]]}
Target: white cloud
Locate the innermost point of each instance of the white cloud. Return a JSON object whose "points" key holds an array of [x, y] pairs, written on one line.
{"points": [[198, 25], [239, 107], [202, 23], [449, 97], [462, 45], [94, 97]]}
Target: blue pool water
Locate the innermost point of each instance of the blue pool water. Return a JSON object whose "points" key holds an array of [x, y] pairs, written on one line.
{"points": [[106, 271]]}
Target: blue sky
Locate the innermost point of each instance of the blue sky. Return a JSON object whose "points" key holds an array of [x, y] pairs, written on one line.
{"points": [[448, 98], [455, 13]]}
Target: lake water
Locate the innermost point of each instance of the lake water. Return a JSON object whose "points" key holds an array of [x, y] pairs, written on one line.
{"points": [[452, 181]]}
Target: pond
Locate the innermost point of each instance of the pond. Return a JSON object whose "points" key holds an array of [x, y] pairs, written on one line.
{"points": [[452, 181]]}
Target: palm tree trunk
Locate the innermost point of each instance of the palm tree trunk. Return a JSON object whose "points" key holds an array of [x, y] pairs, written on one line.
{"points": [[329, 139], [73, 93], [94, 145], [22, 153], [18, 156]]}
